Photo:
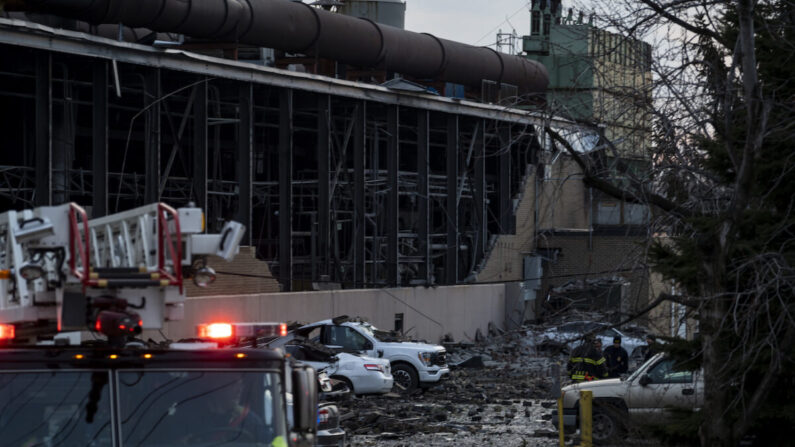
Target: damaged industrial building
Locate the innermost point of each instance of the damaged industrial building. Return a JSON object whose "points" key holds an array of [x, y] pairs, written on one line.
{"points": [[341, 182], [358, 154]]}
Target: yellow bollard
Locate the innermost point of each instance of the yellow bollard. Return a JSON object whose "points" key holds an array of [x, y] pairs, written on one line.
{"points": [[586, 418], [561, 429]]}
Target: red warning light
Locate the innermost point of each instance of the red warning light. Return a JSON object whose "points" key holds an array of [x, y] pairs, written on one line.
{"points": [[214, 330], [283, 329], [6, 331]]}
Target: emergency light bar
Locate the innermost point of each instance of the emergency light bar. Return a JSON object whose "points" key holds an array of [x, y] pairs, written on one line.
{"points": [[214, 330], [237, 331]]}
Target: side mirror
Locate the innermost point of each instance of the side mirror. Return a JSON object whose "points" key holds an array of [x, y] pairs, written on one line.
{"points": [[368, 345], [380, 353], [305, 386], [645, 380]]}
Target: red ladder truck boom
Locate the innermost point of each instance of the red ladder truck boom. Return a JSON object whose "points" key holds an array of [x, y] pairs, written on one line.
{"points": [[56, 262]]}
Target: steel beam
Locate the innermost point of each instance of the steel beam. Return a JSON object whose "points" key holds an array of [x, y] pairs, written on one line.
{"points": [[200, 150], [479, 191], [392, 198], [359, 218], [99, 139], [285, 188], [323, 169], [504, 187], [152, 103], [43, 189], [451, 264], [423, 201], [68, 42], [245, 145]]}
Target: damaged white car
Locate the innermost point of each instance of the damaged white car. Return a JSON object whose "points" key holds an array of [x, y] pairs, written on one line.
{"points": [[362, 374], [414, 364]]}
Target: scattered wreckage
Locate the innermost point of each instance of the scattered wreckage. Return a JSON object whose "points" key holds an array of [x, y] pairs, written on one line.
{"points": [[498, 394], [329, 432], [362, 374], [566, 336], [414, 364]]}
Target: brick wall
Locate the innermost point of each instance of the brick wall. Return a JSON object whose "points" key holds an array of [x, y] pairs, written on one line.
{"points": [[250, 276], [505, 260], [563, 201], [584, 256], [562, 207]]}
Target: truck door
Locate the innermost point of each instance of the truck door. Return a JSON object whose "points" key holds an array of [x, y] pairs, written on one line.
{"points": [[666, 387]]}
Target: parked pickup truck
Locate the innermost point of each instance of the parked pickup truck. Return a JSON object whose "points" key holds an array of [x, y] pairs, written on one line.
{"points": [[413, 364], [647, 396]]}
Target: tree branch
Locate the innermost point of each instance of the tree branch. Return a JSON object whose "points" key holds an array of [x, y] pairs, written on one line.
{"points": [[619, 193], [661, 10]]}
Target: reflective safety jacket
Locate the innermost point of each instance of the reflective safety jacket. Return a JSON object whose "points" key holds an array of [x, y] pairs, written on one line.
{"points": [[586, 363]]}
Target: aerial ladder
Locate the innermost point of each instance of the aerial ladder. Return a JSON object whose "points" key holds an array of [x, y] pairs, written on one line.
{"points": [[116, 275]]}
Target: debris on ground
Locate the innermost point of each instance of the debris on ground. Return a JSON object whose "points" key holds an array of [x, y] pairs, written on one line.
{"points": [[499, 393]]}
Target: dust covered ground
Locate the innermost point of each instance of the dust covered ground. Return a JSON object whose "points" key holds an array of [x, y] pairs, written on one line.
{"points": [[502, 398]]}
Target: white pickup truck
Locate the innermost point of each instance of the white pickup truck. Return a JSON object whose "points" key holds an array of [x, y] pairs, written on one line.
{"points": [[413, 364], [647, 396]]}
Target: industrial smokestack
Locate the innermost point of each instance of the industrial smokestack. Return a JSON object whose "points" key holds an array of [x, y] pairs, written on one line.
{"points": [[299, 28]]}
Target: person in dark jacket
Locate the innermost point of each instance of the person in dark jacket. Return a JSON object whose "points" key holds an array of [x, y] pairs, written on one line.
{"points": [[617, 359], [586, 362]]}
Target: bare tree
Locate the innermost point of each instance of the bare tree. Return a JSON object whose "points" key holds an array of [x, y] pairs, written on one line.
{"points": [[719, 185]]}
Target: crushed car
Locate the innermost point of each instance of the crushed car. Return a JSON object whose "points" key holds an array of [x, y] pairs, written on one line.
{"points": [[414, 365], [362, 374], [329, 432]]}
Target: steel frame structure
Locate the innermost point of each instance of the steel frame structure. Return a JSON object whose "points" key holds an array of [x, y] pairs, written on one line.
{"points": [[337, 182]]}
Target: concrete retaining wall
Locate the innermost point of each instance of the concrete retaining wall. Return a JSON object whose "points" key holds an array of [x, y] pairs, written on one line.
{"points": [[428, 313]]}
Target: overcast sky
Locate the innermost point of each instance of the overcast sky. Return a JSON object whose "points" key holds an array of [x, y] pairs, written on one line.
{"points": [[469, 21]]}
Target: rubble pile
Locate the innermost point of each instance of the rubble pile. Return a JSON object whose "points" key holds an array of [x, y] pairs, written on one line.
{"points": [[499, 393]]}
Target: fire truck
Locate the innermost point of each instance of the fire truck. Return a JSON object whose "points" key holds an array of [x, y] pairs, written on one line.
{"points": [[75, 295]]}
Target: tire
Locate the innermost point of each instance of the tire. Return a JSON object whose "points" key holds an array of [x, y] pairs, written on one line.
{"points": [[406, 380], [609, 423], [347, 382]]}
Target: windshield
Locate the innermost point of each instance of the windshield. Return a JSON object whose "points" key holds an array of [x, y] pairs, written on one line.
{"points": [[55, 408], [370, 330], [642, 368], [164, 408], [384, 336]]}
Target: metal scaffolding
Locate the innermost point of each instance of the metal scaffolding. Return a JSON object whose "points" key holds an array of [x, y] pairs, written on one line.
{"points": [[356, 185]]}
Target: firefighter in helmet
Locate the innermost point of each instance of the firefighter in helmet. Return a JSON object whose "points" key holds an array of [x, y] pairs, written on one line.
{"points": [[587, 362]]}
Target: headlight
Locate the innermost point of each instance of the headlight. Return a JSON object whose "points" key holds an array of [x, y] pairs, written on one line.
{"points": [[204, 277], [425, 358], [31, 271]]}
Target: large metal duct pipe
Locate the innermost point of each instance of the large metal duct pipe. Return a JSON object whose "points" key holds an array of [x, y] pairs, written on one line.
{"points": [[297, 27], [108, 31]]}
